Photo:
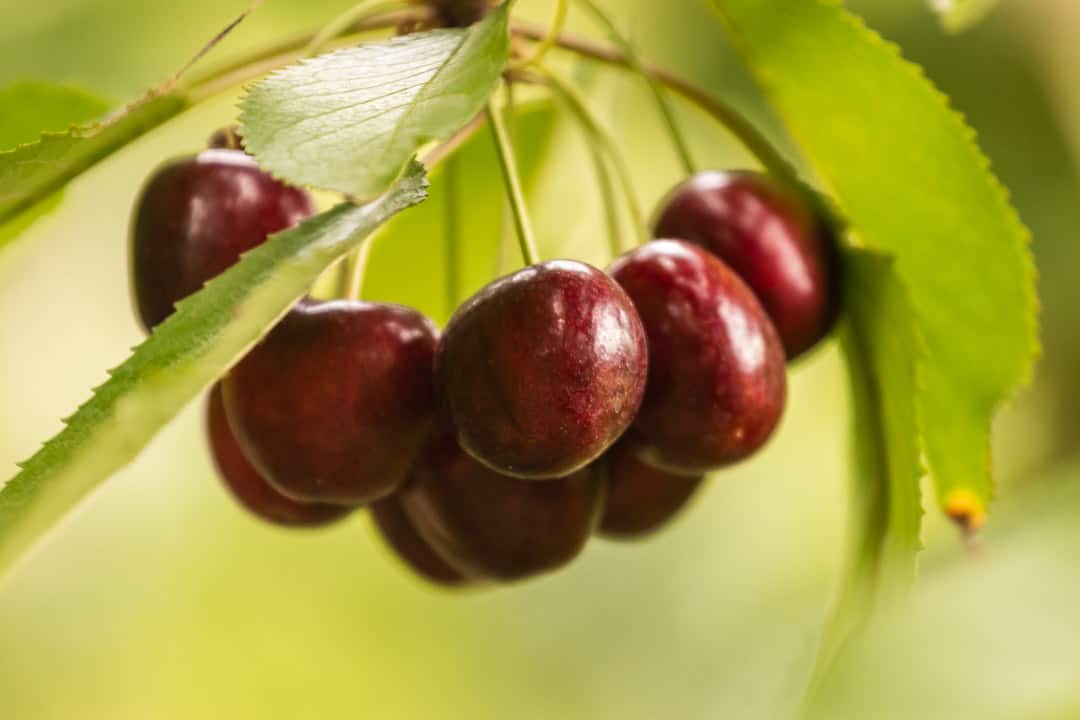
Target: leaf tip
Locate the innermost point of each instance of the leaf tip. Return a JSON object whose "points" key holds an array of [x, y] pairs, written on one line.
{"points": [[966, 509]]}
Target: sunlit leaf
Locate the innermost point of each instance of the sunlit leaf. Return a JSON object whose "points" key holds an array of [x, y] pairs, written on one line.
{"points": [[905, 170], [350, 120]]}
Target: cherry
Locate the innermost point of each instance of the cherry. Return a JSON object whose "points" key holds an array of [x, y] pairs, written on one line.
{"points": [[400, 534], [248, 487], [717, 381], [774, 236], [459, 13], [640, 498], [336, 400], [195, 217], [494, 526], [542, 370]]}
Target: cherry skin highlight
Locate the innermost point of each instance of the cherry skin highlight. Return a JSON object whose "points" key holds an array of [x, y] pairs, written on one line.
{"points": [[248, 487], [193, 220], [640, 498], [773, 236], [542, 370], [336, 400], [492, 526], [399, 533], [717, 382]]}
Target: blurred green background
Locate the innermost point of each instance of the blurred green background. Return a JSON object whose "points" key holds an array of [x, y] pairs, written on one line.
{"points": [[159, 598]]}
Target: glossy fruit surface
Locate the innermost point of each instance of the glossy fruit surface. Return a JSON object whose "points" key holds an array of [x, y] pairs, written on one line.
{"points": [[494, 526], [773, 236], [335, 402], [542, 370], [400, 534], [717, 382], [193, 220], [640, 498], [248, 487]]}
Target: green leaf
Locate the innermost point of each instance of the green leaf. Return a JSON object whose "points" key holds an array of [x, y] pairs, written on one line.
{"points": [[29, 109], [350, 120], [905, 170], [204, 337], [881, 345], [30, 173], [26, 111], [959, 15]]}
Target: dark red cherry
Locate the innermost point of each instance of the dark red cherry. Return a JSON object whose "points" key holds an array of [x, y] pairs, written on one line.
{"points": [[717, 381], [494, 526], [542, 370], [774, 236], [459, 13], [248, 487], [335, 401], [398, 532], [640, 498], [194, 219]]}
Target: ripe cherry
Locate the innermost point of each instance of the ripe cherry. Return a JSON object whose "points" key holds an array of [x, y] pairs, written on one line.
{"points": [[717, 381], [542, 370], [494, 526], [774, 236], [248, 487], [194, 219], [400, 534], [459, 13], [640, 498], [335, 401]]}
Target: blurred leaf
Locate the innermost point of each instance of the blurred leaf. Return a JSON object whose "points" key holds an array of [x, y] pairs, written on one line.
{"points": [[990, 634], [350, 120], [959, 15], [905, 170], [208, 332], [29, 109], [882, 346], [32, 172]]}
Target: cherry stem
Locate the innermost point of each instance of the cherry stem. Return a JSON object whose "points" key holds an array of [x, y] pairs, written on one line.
{"points": [[549, 39], [730, 118], [446, 149], [607, 195], [601, 138], [505, 150], [339, 25], [452, 232], [356, 268], [667, 113]]}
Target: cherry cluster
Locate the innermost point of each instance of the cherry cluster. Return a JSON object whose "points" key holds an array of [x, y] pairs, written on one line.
{"points": [[559, 401]]}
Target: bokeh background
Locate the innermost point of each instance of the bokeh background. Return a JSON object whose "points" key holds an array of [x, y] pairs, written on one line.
{"points": [[159, 598]]}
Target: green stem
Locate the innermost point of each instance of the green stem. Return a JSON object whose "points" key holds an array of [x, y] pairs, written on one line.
{"points": [[739, 126], [508, 162], [452, 233], [667, 113], [356, 267], [346, 20], [600, 137], [548, 40], [607, 195]]}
